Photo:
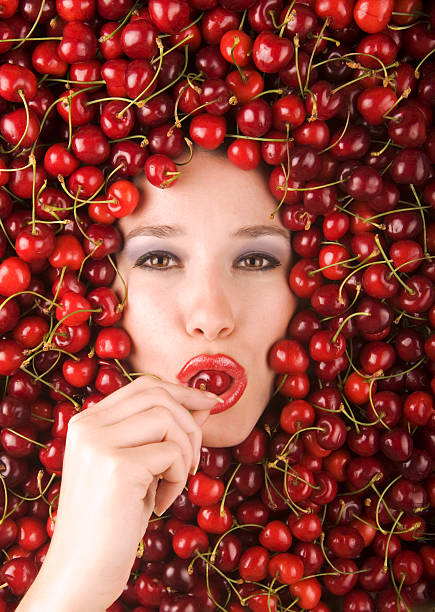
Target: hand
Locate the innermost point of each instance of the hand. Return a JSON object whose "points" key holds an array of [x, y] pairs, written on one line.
{"points": [[115, 452]]}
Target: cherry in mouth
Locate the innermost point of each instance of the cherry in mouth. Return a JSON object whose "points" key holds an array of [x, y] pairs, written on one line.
{"points": [[214, 381]]}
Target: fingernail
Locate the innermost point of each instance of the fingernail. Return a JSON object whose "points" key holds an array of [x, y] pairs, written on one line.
{"points": [[195, 469], [215, 397]]}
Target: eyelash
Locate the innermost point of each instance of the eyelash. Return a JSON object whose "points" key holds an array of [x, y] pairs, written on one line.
{"points": [[273, 262]]}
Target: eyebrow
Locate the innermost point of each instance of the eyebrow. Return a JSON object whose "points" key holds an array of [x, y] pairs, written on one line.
{"points": [[167, 231]]}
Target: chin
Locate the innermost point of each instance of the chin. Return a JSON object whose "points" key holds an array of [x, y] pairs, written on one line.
{"points": [[229, 430], [223, 439]]}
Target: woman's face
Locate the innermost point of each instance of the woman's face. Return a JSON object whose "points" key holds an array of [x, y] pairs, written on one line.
{"points": [[211, 293]]}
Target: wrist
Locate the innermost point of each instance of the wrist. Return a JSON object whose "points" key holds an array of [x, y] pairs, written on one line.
{"points": [[53, 589]]}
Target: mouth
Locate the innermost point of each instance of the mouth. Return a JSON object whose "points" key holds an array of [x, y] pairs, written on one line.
{"points": [[218, 374]]}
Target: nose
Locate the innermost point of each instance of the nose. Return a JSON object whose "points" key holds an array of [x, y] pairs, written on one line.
{"points": [[209, 307]]}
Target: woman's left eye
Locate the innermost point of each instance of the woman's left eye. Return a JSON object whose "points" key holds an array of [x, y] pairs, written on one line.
{"points": [[253, 261], [255, 257]]}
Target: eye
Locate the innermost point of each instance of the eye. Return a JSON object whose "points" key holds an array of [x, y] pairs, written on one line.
{"points": [[253, 259], [158, 260]]}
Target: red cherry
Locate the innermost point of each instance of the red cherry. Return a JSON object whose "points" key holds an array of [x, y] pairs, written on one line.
{"points": [[187, 539], [244, 154], [204, 490], [372, 15], [288, 356], [208, 131], [271, 53], [238, 43], [125, 198], [19, 574], [169, 16], [112, 343]]}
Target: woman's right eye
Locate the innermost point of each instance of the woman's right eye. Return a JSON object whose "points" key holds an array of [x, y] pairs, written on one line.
{"points": [[157, 259]]}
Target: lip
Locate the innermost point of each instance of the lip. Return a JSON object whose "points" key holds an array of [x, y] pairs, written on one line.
{"points": [[217, 362]]}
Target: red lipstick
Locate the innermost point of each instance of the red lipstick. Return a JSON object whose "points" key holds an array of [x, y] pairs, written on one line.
{"points": [[219, 363]]}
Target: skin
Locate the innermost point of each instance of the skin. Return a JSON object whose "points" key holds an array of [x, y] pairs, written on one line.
{"points": [[210, 301]]}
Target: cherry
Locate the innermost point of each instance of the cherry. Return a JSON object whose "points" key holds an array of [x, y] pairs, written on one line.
{"points": [[407, 566], [407, 495], [19, 574], [345, 581], [365, 442], [396, 444], [78, 43], [308, 590], [241, 45], [254, 118], [287, 567], [138, 39], [332, 432]]}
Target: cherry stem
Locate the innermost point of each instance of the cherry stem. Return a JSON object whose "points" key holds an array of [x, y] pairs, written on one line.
{"points": [[286, 500], [281, 384], [398, 590], [5, 501], [7, 238], [371, 482], [75, 198], [387, 546], [282, 456], [208, 563], [417, 70], [139, 96], [289, 16], [21, 293], [120, 306], [313, 116], [107, 37], [387, 261], [381, 227], [353, 314], [41, 418], [316, 44], [60, 279], [384, 148], [411, 261], [227, 487], [426, 254], [41, 493], [381, 497], [296, 47], [341, 135], [337, 263], [329, 562], [314, 188], [296, 475], [66, 317], [269, 91], [234, 528], [241, 136], [26, 108], [178, 123], [124, 371], [236, 42], [142, 145], [404, 95]]}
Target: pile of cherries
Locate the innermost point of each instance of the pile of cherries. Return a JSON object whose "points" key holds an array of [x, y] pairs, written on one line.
{"points": [[329, 503]]}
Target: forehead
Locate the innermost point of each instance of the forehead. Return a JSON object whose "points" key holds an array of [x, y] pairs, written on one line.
{"points": [[211, 191]]}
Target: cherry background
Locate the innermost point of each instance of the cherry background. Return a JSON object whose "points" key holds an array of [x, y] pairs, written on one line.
{"points": [[329, 503]]}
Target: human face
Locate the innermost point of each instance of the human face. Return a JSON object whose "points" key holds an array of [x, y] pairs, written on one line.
{"points": [[209, 301]]}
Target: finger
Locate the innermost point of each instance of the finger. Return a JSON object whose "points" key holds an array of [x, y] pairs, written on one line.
{"points": [[191, 398], [161, 458], [160, 397], [151, 426]]}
